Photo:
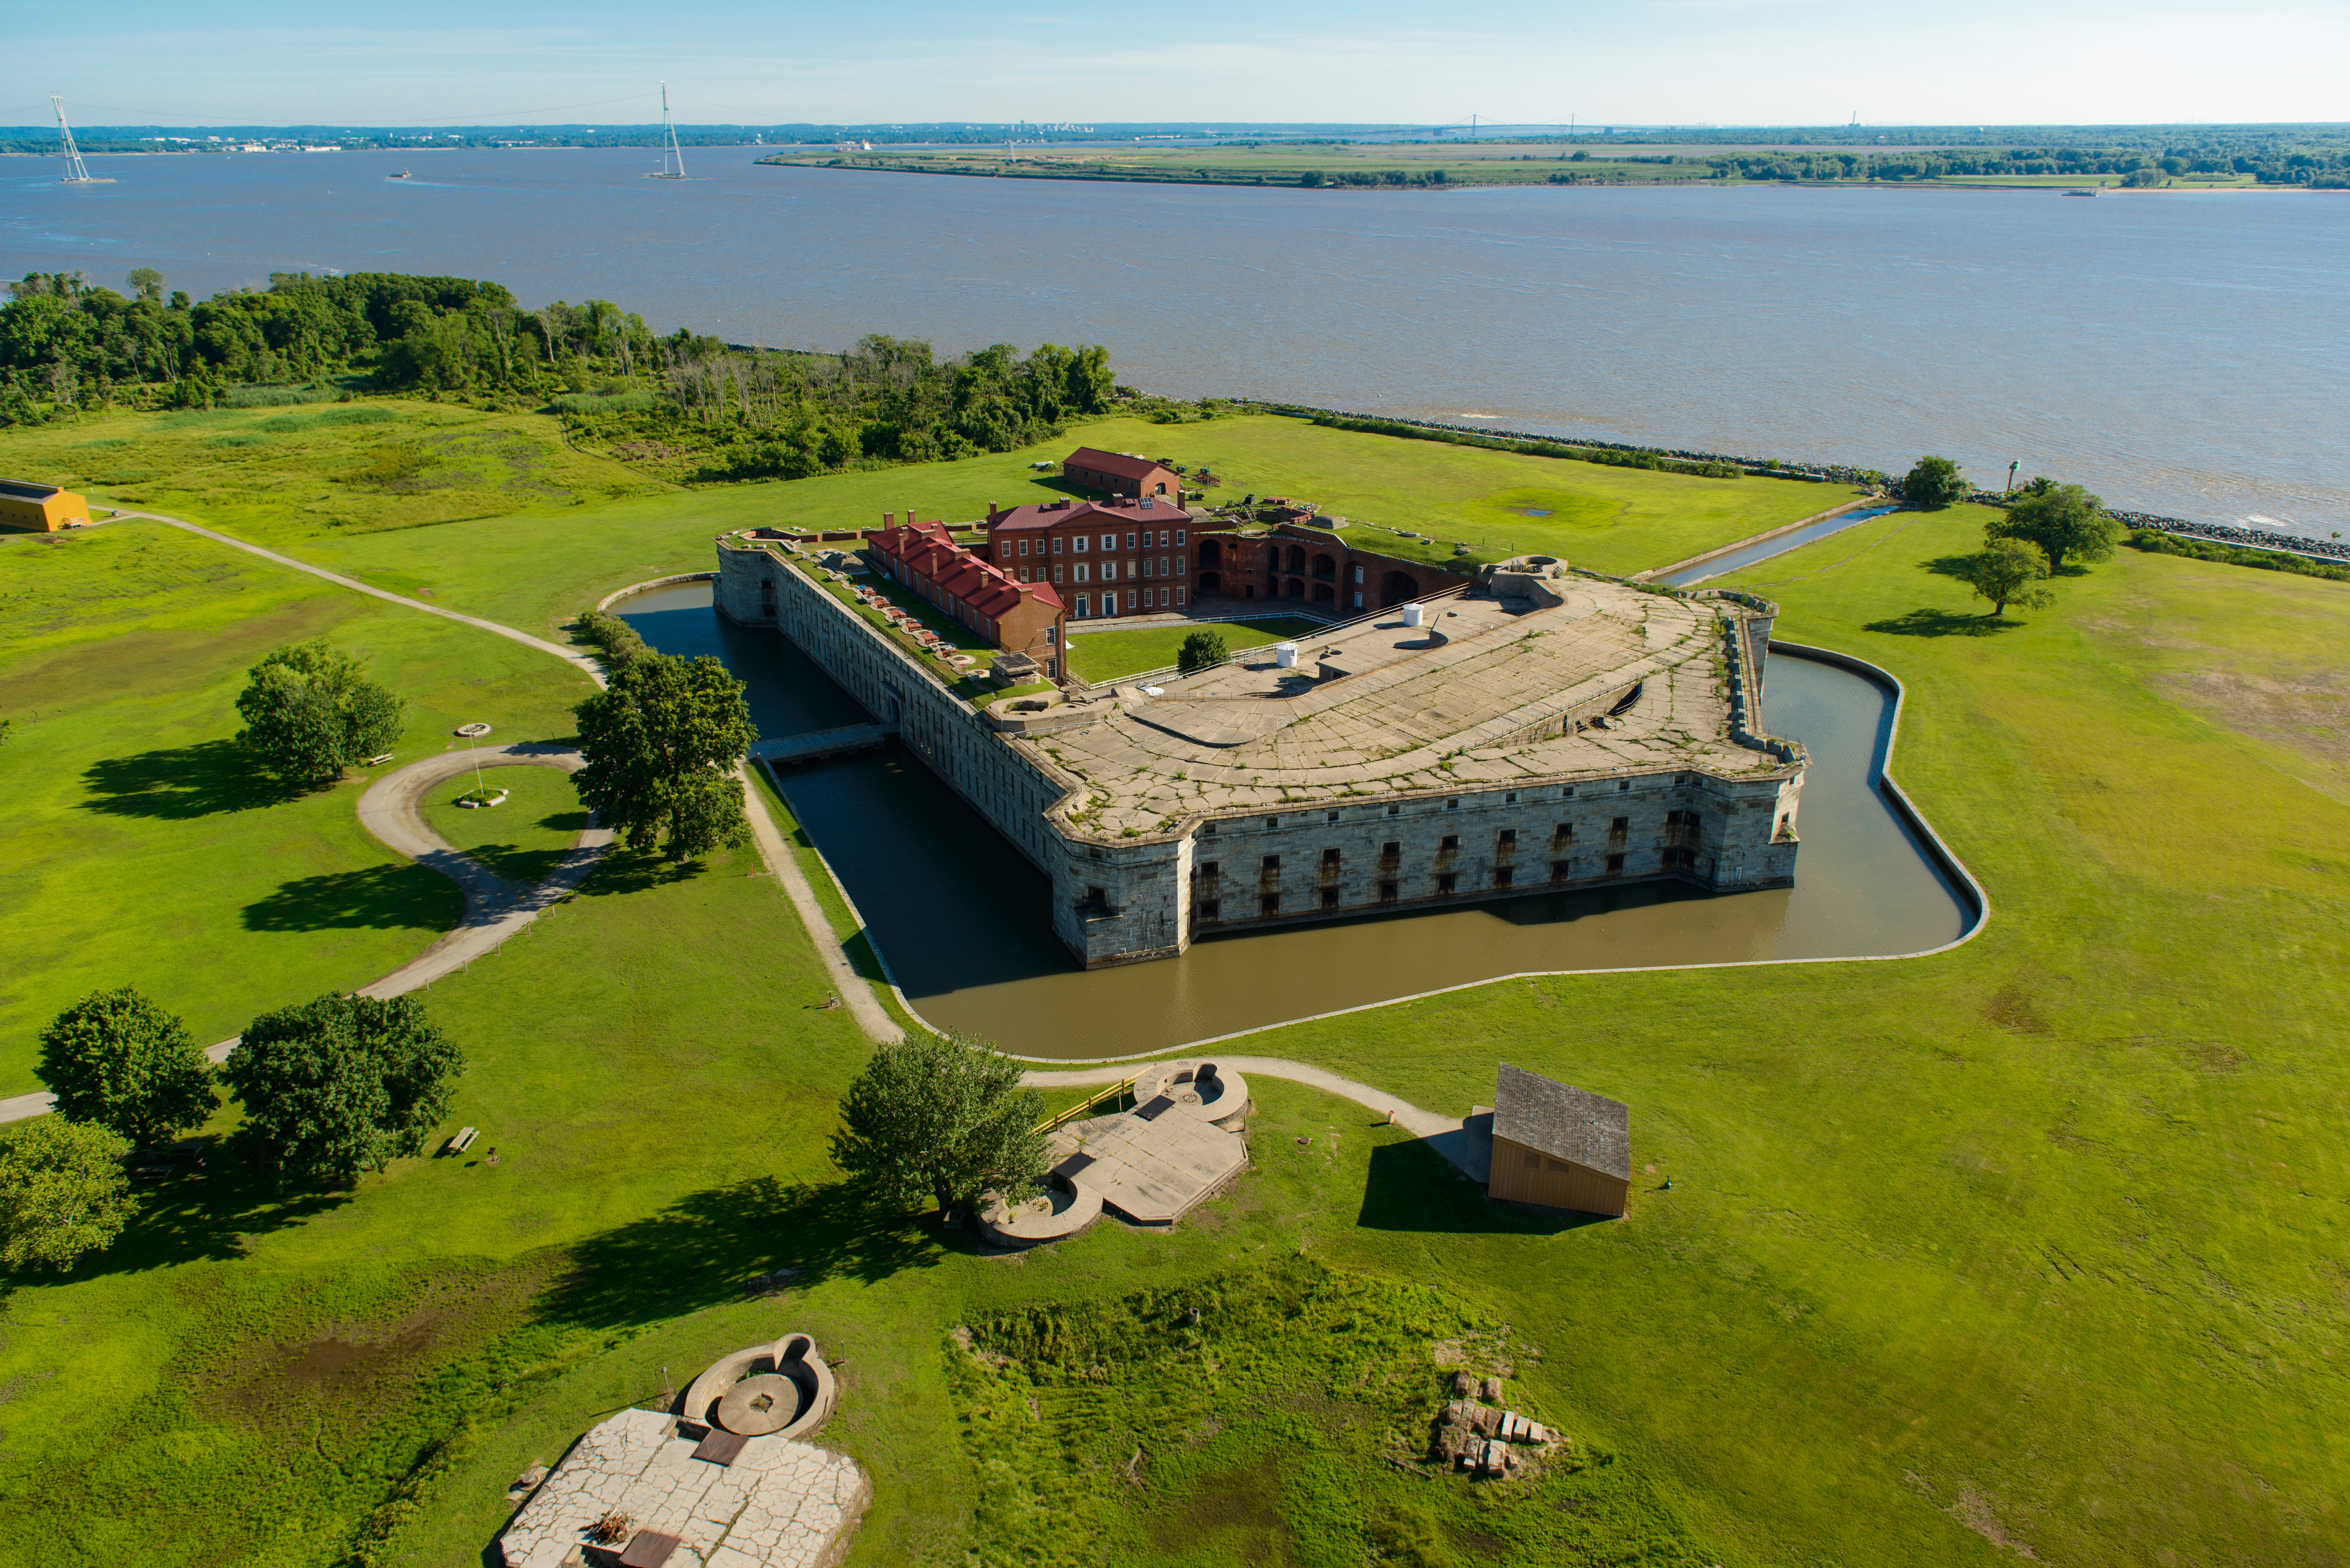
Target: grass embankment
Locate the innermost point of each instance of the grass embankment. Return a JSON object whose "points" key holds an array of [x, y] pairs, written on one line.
{"points": [[524, 838], [2035, 1241], [141, 845], [1099, 656]]}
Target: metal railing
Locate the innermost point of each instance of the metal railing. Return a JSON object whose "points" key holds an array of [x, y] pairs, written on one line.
{"points": [[1086, 1108]]}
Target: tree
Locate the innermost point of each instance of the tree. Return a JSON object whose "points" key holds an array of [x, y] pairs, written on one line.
{"points": [[1200, 650], [942, 1119], [662, 743], [2008, 572], [1933, 482], [341, 1084], [310, 711], [2064, 520], [116, 1060], [147, 284], [62, 1192]]}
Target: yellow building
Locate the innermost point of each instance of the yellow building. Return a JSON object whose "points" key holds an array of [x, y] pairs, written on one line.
{"points": [[1559, 1146], [40, 508]]}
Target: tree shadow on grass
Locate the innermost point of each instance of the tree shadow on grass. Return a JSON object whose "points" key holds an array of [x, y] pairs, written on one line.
{"points": [[178, 782], [1954, 568], [704, 1249], [626, 871], [207, 1214], [528, 867], [1410, 1186], [375, 898], [1942, 623]]}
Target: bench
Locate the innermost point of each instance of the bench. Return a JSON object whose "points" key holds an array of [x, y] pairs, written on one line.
{"points": [[463, 1141]]}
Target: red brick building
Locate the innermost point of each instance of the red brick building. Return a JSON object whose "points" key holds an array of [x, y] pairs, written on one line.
{"points": [[1307, 566], [1116, 473], [1022, 614], [1102, 557]]}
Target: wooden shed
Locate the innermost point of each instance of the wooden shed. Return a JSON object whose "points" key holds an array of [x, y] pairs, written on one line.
{"points": [[1558, 1145]]}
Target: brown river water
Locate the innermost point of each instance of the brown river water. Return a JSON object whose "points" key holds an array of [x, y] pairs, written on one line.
{"points": [[961, 918]]}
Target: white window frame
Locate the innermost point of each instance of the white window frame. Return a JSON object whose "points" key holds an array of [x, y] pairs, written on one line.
{"points": [[1081, 544], [1179, 538]]}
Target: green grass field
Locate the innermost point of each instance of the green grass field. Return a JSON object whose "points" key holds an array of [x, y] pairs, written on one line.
{"points": [[1099, 656], [2036, 1242], [522, 839], [1277, 163]]}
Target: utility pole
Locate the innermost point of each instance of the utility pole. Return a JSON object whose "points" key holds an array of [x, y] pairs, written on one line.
{"points": [[670, 151], [2011, 477]]}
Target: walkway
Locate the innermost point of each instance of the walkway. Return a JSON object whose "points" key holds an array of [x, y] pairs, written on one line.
{"points": [[1445, 1135]]}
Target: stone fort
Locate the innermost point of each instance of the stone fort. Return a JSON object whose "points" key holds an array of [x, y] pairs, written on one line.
{"points": [[1531, 729]]}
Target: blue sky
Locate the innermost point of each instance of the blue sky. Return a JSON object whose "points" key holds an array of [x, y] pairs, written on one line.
{"points": [[1759, 62]]}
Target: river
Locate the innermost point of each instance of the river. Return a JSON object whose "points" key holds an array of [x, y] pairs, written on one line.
{"points": [[2178, 353], [964, 922]]}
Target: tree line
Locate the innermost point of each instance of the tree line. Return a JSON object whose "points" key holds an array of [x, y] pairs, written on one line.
{"points": [[2271, 164]]}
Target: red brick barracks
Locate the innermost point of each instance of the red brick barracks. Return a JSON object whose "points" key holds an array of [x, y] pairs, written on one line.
{"points": [[1116, 473], [1020, 613]]}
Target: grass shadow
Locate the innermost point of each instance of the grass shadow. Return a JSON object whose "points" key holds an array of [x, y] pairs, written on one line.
{"points": [[374, 898], [1954, 568], [1410, 1186], [702, 1249], [528, 867], [207, 1215], [179, 783], [1942, 623], [624, 870]]}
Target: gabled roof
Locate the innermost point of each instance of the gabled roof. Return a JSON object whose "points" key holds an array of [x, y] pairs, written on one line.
{"points": [[1121, 512], [1116, 462], [1565, 1123], [25, 490]]}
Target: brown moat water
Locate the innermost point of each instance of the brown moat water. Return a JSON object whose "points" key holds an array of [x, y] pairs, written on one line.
{"points": [[962, 919]]}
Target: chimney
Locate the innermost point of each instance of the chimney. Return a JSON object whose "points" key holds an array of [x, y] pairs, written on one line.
{"points": [[889, 519], [993, 512]]}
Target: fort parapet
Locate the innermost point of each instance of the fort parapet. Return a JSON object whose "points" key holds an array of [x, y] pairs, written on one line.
{"points": [[1536, 730]]}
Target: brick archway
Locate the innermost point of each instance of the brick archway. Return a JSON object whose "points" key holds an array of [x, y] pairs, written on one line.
{"points": [[1397, 588]]}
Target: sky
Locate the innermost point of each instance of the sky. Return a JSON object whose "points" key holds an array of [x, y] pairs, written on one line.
{"points": [[1655, 62]]}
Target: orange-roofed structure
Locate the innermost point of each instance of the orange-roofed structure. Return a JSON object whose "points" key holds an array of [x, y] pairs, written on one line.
{"points": [[40, 508], [1019, 617]]}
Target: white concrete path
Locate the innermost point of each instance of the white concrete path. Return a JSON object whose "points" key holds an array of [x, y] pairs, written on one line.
{"points": [[1443, 1134]]}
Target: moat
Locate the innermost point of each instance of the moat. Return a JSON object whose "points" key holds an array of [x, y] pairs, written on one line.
{"points": [[961, 917]]}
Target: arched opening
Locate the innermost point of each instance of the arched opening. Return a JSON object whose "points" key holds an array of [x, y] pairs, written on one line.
{"points": [[1323, 593], [1296, 558], [1398, 588], [1212, 554], [1212, 582], [1326, 568], [1293, 589]]}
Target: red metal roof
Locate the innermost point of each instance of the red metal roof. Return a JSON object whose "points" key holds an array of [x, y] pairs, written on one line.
{"points": [[1054, 513], [1116, 462]]}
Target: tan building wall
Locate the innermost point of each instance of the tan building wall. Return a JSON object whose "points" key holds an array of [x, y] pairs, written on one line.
{"points": [[62, 509], [1522, 1176]]}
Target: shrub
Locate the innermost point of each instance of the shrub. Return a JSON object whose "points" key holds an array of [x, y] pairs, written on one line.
{"points": [[1200, 650]]}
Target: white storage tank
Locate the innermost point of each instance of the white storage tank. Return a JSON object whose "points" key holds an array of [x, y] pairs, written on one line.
{"points": [[1284, 655], [1413, 615]]}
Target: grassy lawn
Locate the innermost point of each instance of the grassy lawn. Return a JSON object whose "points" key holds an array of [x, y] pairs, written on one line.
{"points": [[528, 532], [1276, 164], [142, 846], [1101, 655], [522, 839], [2035, 1242]]}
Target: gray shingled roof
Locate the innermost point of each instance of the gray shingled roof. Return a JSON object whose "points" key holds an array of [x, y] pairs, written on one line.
{"points": [[1564, 1123]]}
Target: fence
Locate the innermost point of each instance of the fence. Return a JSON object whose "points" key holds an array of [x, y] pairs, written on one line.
{"points": [[1088, 688]]}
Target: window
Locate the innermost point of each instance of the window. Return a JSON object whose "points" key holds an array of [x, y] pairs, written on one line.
{"points": [[1056, 543], [1052, 635], [1508, 836], [1392, 850], [1511, 798], [1098, 900], [1149, 566], [1272, 822], [1563, 833], [1358, 577], [1270, 904], [1452, 805], [1622, 785], [1395, 810], [1056, 571], [1081, 571], [1208, 910], [1621, 825], [1210, 827], [1179, 598], [1078, 544], [1211, 868], [1273, 862], [1329, 897], [1130, 598], [1329, 857], [1023, 573], [1615, 865], [1452, 841], [1560, 1167], [1503, 876], [1179, 566], [1110, 571], [1129, 541], [1561, 869], [1566, 793], [1533, 1162], [1387, 892], [1449, 882], [1179, 536]]}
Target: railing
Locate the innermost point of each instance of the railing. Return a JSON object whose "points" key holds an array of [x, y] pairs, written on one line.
{"points": [[1087, 688], [1086, 1108]]}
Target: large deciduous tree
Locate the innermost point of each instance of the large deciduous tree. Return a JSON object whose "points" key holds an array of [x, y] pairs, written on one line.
{"points": [[62, 1192], [2065, 520], [341, 1084], [117, 1060], [2009, 572], [662, 744], [939, 1119], [1200, 650], [310, 711], [1933, 482]]}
